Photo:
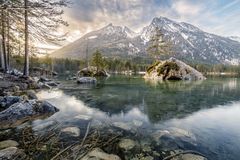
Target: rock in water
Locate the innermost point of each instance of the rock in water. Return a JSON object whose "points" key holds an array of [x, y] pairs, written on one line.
{"points": [[31, 94], [8, 143], [73, 131], [98, 154], [127, 144], [92, 71], [87, 80], [7, 101], [122, 125], [172, 69], [188, 157], [12, 153], [23, 111]]}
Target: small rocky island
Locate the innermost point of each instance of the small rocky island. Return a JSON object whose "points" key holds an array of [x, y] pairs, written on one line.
{"points": [[172, 69], [88, 74]]}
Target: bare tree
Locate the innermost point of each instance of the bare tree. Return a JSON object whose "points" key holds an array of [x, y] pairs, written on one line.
{"points": [[26, 62], [37, 19], [3, 33]]}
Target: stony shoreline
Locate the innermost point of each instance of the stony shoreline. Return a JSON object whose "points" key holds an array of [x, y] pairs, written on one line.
{"points": [[52, 140], [19, 104]]}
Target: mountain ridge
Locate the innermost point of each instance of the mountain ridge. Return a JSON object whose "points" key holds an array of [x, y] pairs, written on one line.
{"points": [[189, 42]]}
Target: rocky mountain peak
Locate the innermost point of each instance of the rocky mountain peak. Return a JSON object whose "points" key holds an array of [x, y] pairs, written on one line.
{"points": [[188, 41]]}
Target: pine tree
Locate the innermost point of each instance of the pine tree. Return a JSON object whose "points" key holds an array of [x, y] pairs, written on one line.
{"points": [[98, 61], [157, 46]]}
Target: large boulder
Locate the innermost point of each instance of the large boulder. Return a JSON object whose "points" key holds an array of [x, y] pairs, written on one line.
{"points": [[7, 101], [172, 69], [23, 111], [92, 71]]}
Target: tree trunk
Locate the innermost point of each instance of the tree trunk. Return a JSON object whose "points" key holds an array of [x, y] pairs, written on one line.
{"points": [[26, 63], [1, 57], [4, 42], [8, 41]]}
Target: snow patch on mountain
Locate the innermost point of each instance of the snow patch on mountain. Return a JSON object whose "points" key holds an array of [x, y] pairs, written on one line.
{"points": [[235, 38], [188, 42]]}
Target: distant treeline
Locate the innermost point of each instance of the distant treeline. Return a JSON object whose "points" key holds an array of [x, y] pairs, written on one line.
{"points": [[216, 68], [136, 64], [65, 65]]}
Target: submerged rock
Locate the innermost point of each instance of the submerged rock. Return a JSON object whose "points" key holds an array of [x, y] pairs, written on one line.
{"points": [[127, 144], [188, 157], [137, 123], [44, 79], [45, 86], [122, 125], [45, 125], [178, 132], [11, 153], [8, 143], [83, 117], [172, 69], [24, 111], [98, 154], [46, 83], [31, 94], [175, 132], [141, 157], [52, 84], [173, 138], [89, 80], [73, 131]]}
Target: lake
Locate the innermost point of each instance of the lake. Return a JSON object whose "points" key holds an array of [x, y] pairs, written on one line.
{"points": [[201, 116]]}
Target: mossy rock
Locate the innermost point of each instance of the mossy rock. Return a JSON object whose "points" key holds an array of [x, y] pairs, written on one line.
{"points": [[151, 68], [166, 67]]}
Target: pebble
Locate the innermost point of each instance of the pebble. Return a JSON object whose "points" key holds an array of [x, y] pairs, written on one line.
{"points": [[98, 154], [83, 117], [122, 125], [73, 131], [127, 144], [8, 143]]}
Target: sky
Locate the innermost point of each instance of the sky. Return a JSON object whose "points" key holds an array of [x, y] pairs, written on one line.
{"points": [[221, 17]]}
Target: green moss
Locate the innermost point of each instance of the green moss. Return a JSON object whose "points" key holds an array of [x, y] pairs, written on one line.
{"points": [[167, 66], [151, 68]]}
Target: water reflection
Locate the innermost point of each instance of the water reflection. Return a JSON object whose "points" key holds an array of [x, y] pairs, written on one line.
{"points": [[162, 101], [216, 131], [71, 107], [206, 110]]}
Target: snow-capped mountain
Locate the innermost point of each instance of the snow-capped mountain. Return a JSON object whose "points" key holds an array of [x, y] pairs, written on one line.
{"points": [[192, 43], [110, 40], [235, 38], [188, 41]]}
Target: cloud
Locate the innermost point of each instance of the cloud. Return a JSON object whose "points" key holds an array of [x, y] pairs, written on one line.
{"points": [[87, 15], [184, 8]]}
